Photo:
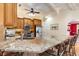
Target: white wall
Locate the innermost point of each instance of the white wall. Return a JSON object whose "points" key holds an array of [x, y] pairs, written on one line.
{"points": [[62, 19]]}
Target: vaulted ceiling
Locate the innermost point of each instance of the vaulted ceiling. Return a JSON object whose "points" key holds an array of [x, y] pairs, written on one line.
{"points": [[49, 8]]}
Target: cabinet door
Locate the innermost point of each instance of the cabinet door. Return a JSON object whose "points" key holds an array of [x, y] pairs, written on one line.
{"points": [[10, 14], [20, 23], [30, 22], [14, 13], [37, 22], [1, 21]]}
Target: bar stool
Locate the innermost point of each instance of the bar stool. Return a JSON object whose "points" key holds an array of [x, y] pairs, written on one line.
{"points": [[73, 45], [58, 49], [66, 47], [54, 51], [61, 49]]}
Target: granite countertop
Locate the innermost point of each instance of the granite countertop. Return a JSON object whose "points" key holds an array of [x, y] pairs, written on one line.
{"points": [[34, 45]]}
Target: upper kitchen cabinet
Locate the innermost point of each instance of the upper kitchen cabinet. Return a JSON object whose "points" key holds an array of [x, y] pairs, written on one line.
{"points": [[28, 21], [1, 21], [37, 22], [20, 23], [10, 14]]}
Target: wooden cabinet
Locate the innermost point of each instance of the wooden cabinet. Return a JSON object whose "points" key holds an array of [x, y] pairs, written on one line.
{"points": [[14, 14], [19, 23], [37, 22], [10, 14], [30, 22], [1, 21]]}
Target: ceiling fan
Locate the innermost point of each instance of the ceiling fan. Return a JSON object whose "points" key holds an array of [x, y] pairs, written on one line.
{"points": [[32, 11]]}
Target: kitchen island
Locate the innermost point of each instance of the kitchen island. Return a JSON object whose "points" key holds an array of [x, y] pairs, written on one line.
{"points": [[33, 46]]}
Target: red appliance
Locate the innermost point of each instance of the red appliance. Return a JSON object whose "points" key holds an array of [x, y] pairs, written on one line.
{"points": [[73, 29]]}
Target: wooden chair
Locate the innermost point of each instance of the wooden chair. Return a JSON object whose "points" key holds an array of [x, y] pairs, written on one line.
{"points": [[51, 52], [66, 48], [59, 49], [73, 45]]}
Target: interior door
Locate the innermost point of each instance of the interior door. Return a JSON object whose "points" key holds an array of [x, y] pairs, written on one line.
{"points": [[73, 29]]}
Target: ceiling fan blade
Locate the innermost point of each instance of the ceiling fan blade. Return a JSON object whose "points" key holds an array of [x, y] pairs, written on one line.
{"points": [[27, 9], [28, 12], [37, 12]]}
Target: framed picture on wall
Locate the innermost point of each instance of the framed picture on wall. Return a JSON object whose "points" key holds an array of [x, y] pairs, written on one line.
{"points": [[54, 26]]}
